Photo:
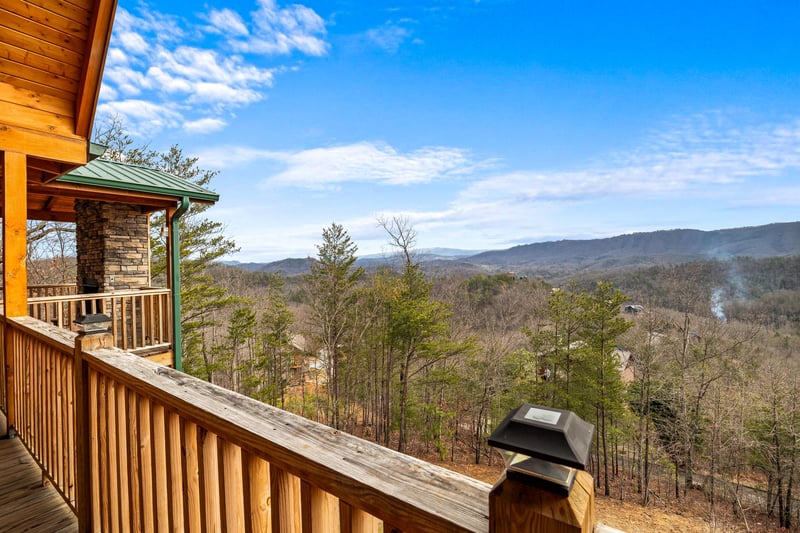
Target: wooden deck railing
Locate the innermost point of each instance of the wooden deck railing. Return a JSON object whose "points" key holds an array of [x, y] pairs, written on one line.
{"points": [[139, 318], [61, 289], [3, 399], [43, 402], [135, 446]]}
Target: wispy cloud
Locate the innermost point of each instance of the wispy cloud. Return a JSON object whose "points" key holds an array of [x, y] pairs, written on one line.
{"points": [[390, 36], [227, 22], [166, 62], [204, 125], [692, 155], [274, 30], [354, 163]]}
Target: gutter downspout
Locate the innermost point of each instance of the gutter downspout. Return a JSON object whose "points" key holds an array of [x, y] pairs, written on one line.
{"points": [[175, 271]]}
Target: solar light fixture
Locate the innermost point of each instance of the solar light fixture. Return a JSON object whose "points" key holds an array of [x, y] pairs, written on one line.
{"points": [[543, 446], [95, 323]]}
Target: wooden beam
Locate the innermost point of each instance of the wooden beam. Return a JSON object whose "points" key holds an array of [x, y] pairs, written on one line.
{"points": [[15, 216], [147, 201], [93, 63], [46, 169], [41, 144], [53, 216]]}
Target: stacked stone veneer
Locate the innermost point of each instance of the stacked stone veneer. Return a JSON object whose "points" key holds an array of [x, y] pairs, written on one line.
{"points": [[113, 242]]}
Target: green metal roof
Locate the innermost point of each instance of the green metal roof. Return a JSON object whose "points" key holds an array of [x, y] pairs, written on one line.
{"points": [[124, 177]]}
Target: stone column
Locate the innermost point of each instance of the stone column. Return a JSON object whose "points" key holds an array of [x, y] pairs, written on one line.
{"points": [[112, 245]]}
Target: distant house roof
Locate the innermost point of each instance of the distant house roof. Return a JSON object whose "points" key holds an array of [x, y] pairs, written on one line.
{"points": [[125, 177]]}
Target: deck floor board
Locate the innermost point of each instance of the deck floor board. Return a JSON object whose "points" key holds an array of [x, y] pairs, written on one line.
{"points": [[25, 504]]}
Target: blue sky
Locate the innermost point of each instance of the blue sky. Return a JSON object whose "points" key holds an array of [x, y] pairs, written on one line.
{"points": [[486, 123]]}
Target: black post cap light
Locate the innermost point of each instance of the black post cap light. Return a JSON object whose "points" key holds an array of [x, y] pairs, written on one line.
{"points": [[94, 323], [543, 446]]}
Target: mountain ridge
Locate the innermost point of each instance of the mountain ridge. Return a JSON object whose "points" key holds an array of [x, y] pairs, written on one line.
{"points": [[659, 247]]}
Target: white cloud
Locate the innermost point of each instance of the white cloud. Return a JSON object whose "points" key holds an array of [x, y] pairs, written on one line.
{"points": [[204, 125], [361, 162], [116, 56], [227, 22], [222, 94], [687, 156], [281, 31], [166, 62], [132, 42], [107, 93], [141, 116], [126, 80], [389, 36]]}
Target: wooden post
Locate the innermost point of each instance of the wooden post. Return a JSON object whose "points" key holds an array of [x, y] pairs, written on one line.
{"points": [[514, 506], [15, 245], [15, 275], [83, 463]]}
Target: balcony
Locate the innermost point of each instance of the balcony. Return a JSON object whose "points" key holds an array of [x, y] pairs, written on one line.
{"points": [[130, 445]]}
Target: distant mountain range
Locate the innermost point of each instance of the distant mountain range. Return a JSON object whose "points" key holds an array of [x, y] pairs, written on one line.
{"points": [[633, 250]]}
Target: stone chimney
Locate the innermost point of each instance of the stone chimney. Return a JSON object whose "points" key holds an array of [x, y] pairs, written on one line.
{"points": [[113, 246]]}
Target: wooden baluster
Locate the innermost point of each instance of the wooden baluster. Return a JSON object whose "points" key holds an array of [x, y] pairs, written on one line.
{"points": [[87, 393], [161, 467], [233, 492], [193, 505], [211, 485], [256, 491], [355, 520], [146, 462], [176, 484], [123, 455], [113, 466], [285, 499], [134, 462], [320, 509]]}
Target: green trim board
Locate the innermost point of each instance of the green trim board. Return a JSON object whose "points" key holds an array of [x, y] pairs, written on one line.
{"points": [[125, 177]]}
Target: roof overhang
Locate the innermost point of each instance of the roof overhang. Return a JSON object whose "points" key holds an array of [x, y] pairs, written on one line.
{"points": [[110, 181], [52, 58]]}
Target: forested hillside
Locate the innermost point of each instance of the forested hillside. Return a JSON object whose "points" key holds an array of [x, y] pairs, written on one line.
{"points": [[652, 248], [694, 391]]}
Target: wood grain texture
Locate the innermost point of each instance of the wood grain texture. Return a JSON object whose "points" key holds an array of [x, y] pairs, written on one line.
{"points": [[410, 494], [102, 20], [256, 482], [15, 218], [515, 506], [26, 504], [42, 144]]}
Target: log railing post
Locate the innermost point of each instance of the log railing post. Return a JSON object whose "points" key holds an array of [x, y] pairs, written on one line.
{"points": [[83, 464], [523, 508], [8, 375]]}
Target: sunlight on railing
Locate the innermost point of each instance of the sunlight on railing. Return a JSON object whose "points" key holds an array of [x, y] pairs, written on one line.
{"points": [[138, 446]]}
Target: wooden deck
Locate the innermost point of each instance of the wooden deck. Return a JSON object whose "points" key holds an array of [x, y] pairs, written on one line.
{"points": [[25, 504]]}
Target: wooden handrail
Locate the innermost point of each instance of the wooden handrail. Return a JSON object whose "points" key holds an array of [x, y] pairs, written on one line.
{"points": [[140, 318], [55, 289], [168, 451]]}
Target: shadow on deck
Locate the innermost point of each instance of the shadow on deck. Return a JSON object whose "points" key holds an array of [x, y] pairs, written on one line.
{"points": [[26, 504]]}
